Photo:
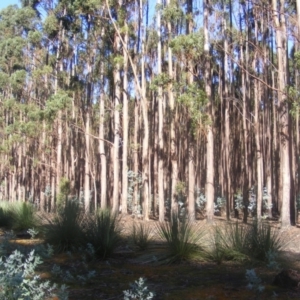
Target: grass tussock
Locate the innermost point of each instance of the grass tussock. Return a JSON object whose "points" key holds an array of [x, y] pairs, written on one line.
{"points": [[244, 242], [24, 216], [264, 239], [183, 238], [6, 217], [103, 232], [66, 230], [141, 235], [18, 215]]}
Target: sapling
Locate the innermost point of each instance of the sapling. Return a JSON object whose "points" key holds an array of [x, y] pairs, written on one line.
{"points": [[138, 291]]}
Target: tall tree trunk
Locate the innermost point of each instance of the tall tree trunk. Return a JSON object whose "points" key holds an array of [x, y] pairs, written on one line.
{"points": [[117, 102], [125, 128], [209, 185], [160, 183], [280, 30]]}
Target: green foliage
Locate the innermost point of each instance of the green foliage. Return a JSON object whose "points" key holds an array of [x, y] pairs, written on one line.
{"points": [[39, 72], [141, 235], [138, 291], [193, 97], [66, 229], [172, 12], [102, 231], [24, 216], [180, 187], [55, 103], [160, 80], [183, 239], [294, 98], [297, 59], [17, 80], [19, 281], [118, 60], [35, 37], [51, 25], [6, 217], [65, 190], [189, 47], [4, 80]]}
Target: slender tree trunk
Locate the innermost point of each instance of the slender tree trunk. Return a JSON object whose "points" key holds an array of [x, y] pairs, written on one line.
{"points": [[102, 153], [117, 102], [125, 129], [160, 183], [280, 30], [209, 185]]}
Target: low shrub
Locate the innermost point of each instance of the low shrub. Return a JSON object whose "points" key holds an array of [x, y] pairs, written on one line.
{"points": [[138, 291], [19, 281]]}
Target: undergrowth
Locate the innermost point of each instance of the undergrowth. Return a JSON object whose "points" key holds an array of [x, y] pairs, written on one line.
{"points": [[66, 229], [141, 235], [18, 279], [245, 242], [103, 232], [183, 239]]}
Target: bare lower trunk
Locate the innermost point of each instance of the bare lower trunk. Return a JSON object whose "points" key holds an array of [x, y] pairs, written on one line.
{"points": [[209, 185], [125, 131]]}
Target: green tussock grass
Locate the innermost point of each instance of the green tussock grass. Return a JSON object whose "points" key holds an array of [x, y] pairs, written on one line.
{"points": [[183, 239]]}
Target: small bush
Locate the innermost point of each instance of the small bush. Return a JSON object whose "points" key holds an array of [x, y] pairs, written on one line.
{"points": [[18, 279], [141, 235], [138, 291], [24, 216], [102, 231], [183, 239], [254, 282], [66, 230]]}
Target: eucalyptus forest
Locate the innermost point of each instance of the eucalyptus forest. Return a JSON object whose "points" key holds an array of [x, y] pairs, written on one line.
{"points": [[148, 107]]}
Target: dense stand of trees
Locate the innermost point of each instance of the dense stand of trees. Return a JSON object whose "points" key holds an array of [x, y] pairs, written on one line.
{"points": [[134, 105]]}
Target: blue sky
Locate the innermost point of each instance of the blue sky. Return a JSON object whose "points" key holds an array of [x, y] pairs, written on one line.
{"points": [[5, 3]]}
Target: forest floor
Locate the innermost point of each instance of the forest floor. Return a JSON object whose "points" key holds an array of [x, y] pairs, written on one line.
{"points": [[182, 281]]}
